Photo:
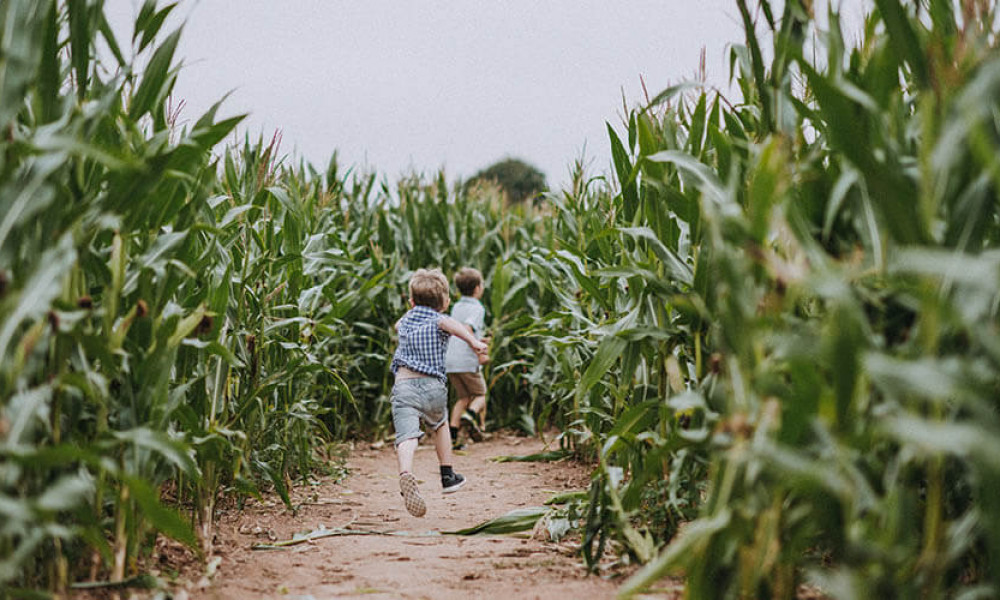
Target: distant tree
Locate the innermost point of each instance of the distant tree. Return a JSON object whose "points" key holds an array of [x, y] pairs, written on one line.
{"points": [[519, 180]]}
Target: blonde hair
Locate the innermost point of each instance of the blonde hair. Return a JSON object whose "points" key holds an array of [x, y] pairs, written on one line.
{"points": [[429, 287], [467, 279]]}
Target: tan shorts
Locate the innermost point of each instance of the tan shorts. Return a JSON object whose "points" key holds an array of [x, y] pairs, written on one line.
{"points": [[468, 385]]}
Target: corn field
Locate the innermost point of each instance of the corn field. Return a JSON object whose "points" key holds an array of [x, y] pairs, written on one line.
{"points": [[773, 330]]}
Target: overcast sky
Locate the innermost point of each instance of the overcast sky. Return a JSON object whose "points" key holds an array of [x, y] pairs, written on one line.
{"points": [[400, 86]]}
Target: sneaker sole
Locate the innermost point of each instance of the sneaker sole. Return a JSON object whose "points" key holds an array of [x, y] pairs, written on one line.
{"points": [[475, 432], [414, 502], [454, 487]]}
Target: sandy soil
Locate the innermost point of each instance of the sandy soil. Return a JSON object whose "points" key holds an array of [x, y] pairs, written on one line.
{"points": [[417, 562]]}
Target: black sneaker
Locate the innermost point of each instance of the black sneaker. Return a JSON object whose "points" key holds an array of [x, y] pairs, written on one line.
{"points": [[451, 483]]}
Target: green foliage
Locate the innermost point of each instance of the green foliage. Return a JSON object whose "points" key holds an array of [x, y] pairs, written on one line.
{"points": [[518, 180], [840, 246], [520, 519], [780, 321], [135, 357], [99, 237]]}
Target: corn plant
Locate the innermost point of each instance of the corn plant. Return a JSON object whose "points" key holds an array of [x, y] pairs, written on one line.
{"points": [[842, 235], [141, 354], [97, 247]]}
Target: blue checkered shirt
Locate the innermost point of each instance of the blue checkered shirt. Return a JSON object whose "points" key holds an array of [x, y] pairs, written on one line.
{"points": [[422, 343]]}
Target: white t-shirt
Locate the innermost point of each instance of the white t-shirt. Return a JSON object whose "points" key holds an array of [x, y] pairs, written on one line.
{"points": [[460, 358]]}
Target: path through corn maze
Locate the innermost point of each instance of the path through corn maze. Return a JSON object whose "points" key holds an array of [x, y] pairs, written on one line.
{"points": [[363, 544]]}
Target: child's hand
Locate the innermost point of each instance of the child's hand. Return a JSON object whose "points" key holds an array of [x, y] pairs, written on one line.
{"points": [[482, 350]]}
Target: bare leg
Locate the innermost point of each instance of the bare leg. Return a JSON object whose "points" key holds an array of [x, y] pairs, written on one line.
{"points": [[404, 454], [442, 444], [457, 411], [415, 504], [478, 406]]}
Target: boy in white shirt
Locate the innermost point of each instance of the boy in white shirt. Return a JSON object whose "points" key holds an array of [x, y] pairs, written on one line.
{"points": [[462, 363]]}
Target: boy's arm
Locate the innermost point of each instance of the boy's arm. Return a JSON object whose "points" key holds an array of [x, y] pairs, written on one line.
{"points": [[461, 331]]}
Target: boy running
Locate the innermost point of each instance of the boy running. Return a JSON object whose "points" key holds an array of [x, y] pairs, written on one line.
{"points": [[420, 392], [461, 363]]}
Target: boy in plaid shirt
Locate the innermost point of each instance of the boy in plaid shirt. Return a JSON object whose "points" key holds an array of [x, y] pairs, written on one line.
{"points": [[420, 392]]}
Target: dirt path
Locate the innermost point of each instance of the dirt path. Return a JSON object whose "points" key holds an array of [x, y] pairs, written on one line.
{"points": [[421, 564]]}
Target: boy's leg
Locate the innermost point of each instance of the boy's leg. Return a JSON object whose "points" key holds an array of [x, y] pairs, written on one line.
{"points": [[450, 480], [463, 397], [406, 421], [412, 499], [461, 405], [478, 406], [435, 416], [477, 387], [404, 454], [442, 445]]}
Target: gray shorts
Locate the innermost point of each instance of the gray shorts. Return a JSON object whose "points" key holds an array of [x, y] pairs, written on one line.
{"points": [[418, 399]]}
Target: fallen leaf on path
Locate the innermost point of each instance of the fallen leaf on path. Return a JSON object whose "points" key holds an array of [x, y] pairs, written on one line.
{"points": [[522, 519]]}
